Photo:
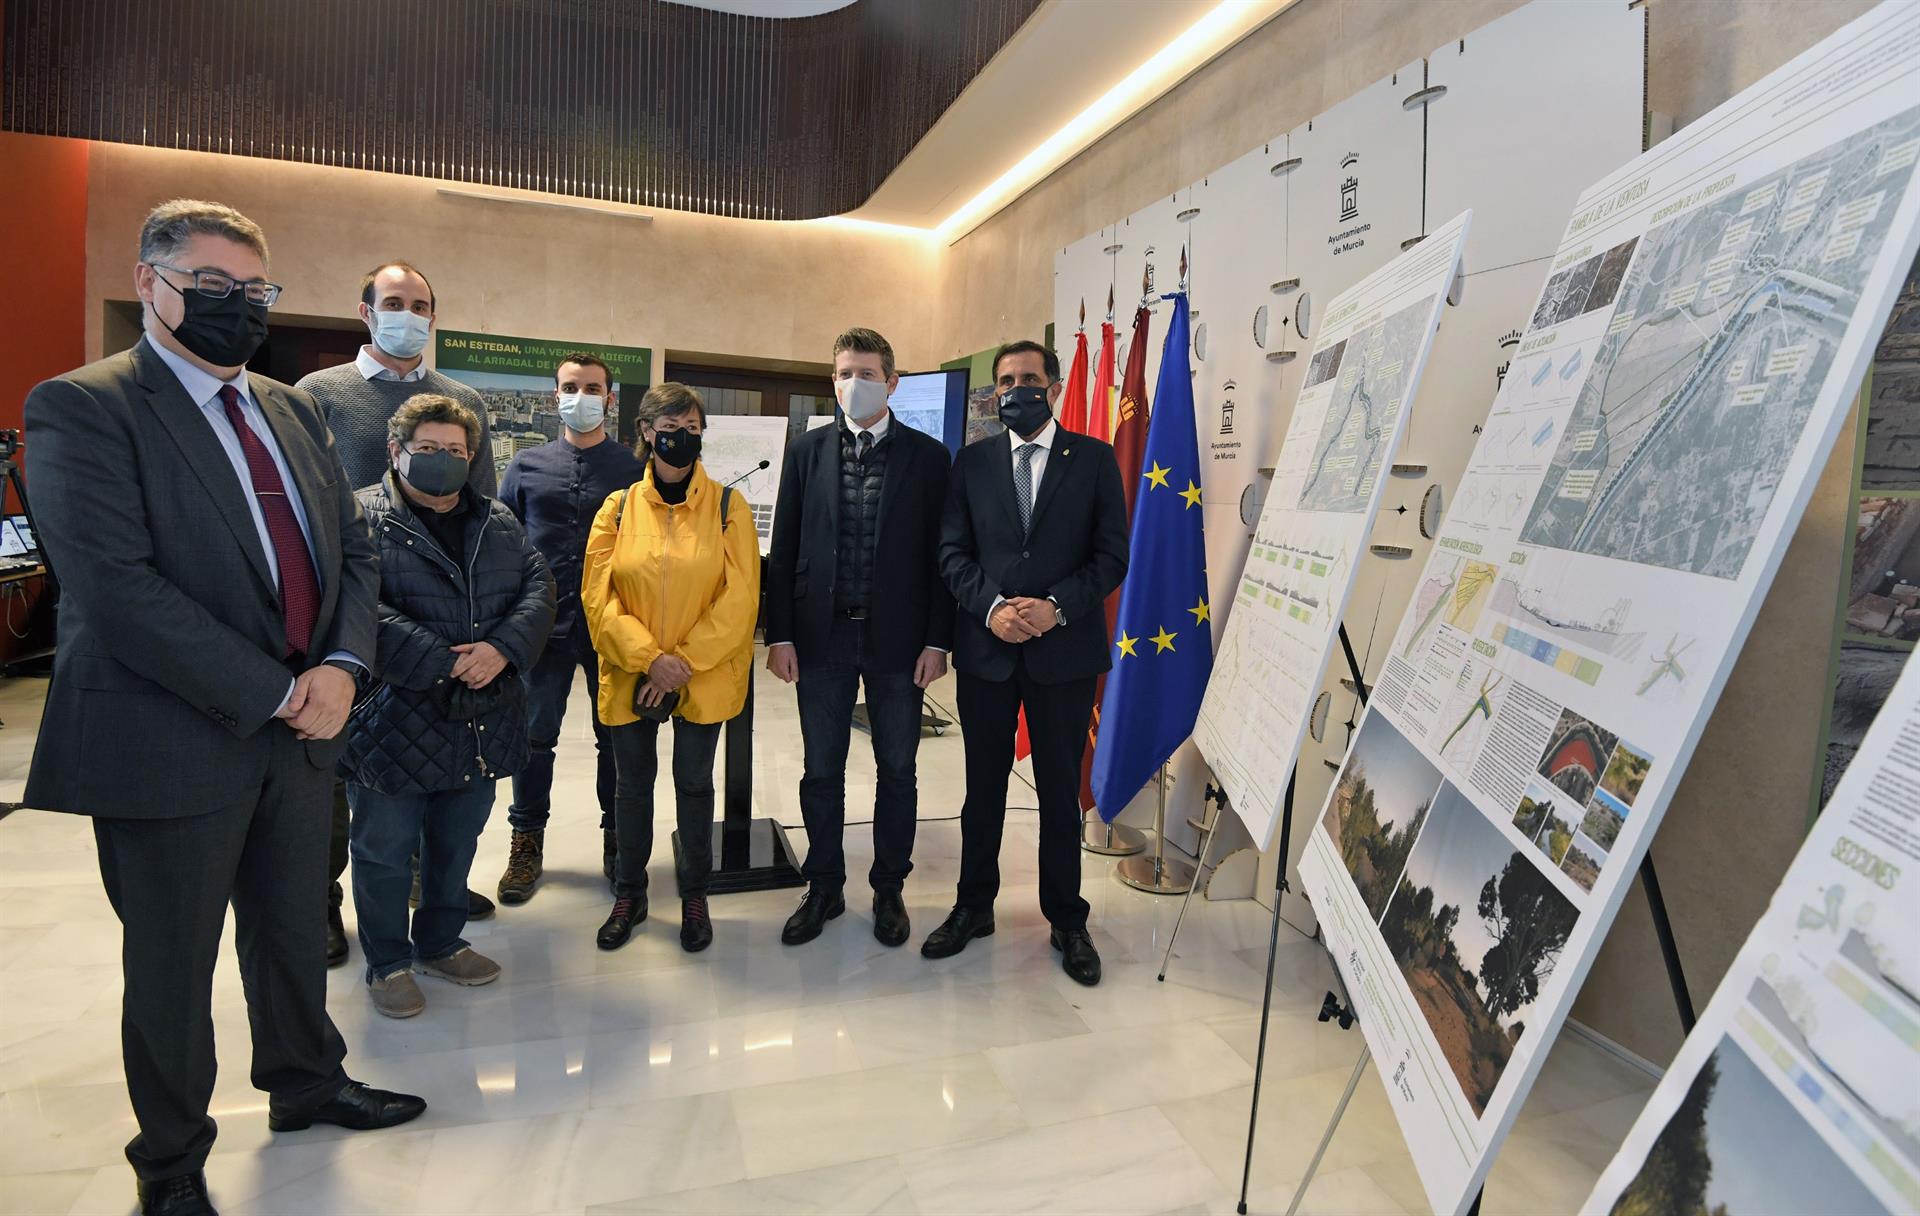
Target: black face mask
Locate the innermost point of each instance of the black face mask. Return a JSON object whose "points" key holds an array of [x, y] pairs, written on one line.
{"points": [[224, 332], [1024, 410], [435, 474], [677, 448]]}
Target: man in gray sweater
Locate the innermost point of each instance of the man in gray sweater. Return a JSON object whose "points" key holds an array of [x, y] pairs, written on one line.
{"points": [[358, 399]]}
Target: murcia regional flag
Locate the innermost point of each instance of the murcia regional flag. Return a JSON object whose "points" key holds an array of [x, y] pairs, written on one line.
{"points": [[1163, 642]]}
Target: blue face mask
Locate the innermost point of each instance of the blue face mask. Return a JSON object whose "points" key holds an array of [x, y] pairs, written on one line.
{"points": [[400, 334]]}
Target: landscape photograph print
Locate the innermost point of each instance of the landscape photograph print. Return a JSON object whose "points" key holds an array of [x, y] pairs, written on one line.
{"points": [[1378, 804], [1735, 1145], [1576, 755], [1476, 928]]}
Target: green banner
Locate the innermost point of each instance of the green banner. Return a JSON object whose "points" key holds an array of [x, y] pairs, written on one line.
{"points": [[471, 352]]}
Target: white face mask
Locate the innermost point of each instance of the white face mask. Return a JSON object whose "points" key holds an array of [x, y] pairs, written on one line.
{"points": [[401, 334], [582, 412], [861, 399]]}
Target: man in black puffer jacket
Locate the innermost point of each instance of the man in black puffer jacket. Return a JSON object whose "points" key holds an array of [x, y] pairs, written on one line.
{"points": [[465, 607]]}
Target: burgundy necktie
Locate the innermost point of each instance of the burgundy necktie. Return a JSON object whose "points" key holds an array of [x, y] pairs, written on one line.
{"points": [[299, 589]]}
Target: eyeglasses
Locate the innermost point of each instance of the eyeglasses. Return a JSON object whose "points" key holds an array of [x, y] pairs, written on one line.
{"points": [[218, 286], [427, 447]]}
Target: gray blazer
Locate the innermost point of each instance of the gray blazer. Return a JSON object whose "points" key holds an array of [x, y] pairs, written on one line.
{"points": [[168, 671]]}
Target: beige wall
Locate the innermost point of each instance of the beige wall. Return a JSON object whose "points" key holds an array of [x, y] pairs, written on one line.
{"points": [[682, 282], [1740, 812]]}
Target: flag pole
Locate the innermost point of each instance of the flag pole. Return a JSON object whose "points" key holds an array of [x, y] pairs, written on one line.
{"points": [[1158, 874], [1110, 839]]}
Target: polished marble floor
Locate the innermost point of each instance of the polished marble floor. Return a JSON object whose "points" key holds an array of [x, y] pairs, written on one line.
{"points": [[840, 1076]]}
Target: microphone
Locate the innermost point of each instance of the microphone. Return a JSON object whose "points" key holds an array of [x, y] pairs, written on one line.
{"points": [[765, 464]]}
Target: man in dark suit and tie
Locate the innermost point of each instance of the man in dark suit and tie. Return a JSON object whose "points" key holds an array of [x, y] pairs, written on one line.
{"points": [[853, 594], [1035, 536], [218, 588]]}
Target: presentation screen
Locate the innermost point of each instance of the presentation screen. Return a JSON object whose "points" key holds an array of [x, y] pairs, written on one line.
{"points": [[934, 403]]}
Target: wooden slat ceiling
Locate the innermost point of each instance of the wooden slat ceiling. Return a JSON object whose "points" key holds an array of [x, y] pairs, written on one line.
{"points": [[633, 101]]}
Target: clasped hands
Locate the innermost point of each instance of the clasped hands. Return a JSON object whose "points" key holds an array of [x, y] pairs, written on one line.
{"points": [[668, 674], [1022, 618]]}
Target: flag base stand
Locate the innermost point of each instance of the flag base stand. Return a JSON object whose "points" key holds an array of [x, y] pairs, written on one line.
{"points": [[1110, 839], [1158, 874]]}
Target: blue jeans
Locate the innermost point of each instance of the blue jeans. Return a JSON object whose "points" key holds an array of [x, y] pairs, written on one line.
{"points": [[828, 684], [387, 829], [548, 686], [636, 745]]}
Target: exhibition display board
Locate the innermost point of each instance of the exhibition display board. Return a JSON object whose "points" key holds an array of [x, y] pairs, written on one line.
{"points": [[732, 449], [1799, 1089], [1358, 391], [1681, 380]]}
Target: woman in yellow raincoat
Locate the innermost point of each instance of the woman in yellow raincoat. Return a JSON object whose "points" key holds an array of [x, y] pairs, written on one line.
{"points": [[670, 592]]}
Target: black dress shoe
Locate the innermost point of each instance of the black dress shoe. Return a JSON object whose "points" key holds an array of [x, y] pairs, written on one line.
{"points": [[180, 1195], [819, 907], [627, 912], [890, 923], [696, 927], [479, 907], [336, 937], [356, 1107], [1078, 958], [961, 926]]}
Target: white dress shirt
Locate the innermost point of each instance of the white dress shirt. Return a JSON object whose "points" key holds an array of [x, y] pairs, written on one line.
{"points": [[372, 369], [1045, 440], [204, 388]]}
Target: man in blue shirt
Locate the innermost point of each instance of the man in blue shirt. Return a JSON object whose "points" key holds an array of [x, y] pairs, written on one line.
{"points": [[556, 489]]}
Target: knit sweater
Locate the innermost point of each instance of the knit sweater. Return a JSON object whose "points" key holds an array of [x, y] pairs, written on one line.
{"points": [[358, 409]]}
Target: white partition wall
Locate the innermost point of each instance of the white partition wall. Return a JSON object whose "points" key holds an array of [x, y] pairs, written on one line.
{"points": [[1489, 122]]}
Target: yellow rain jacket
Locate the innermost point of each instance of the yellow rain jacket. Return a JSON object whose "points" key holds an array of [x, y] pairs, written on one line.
{"points": [[670, 581]]}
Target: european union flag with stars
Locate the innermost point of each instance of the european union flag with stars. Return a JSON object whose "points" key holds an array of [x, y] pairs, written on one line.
{"points": [[1163, 641]]}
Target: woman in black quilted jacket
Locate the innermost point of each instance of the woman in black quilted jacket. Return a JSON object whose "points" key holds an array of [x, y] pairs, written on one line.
{"points": [[465, 607]]}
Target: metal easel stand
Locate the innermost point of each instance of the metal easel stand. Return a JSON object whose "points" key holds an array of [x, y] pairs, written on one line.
{"points": [[1158, 874], [1286, 833], [1333, 1008]]}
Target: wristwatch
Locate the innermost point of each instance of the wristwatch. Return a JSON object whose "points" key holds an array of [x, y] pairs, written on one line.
{"points": [[1059, 613], [358, 672]]}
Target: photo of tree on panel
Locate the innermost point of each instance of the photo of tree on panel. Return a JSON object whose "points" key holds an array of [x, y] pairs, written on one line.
{"points": [[1377, 808], [1476, 928]]}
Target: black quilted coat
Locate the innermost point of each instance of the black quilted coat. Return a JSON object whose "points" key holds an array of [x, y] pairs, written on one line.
{"points": [[419, 731]]}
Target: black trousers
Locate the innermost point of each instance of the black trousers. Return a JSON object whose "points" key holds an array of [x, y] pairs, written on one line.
{"points": [[1057, 719], [170, 881], [636, 756], [828, 685], [337, 842]]}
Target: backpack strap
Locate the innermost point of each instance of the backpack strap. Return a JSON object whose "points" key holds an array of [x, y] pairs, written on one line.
{"points": [[726, 504]]}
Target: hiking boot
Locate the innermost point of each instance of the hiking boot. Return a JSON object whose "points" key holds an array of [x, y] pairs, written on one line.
{"points": [[696, 927], [523, 867], [465, 966], [396, 995]]}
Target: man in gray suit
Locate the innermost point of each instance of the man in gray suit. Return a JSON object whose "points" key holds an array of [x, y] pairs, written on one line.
{"points": [[218, 588]]}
